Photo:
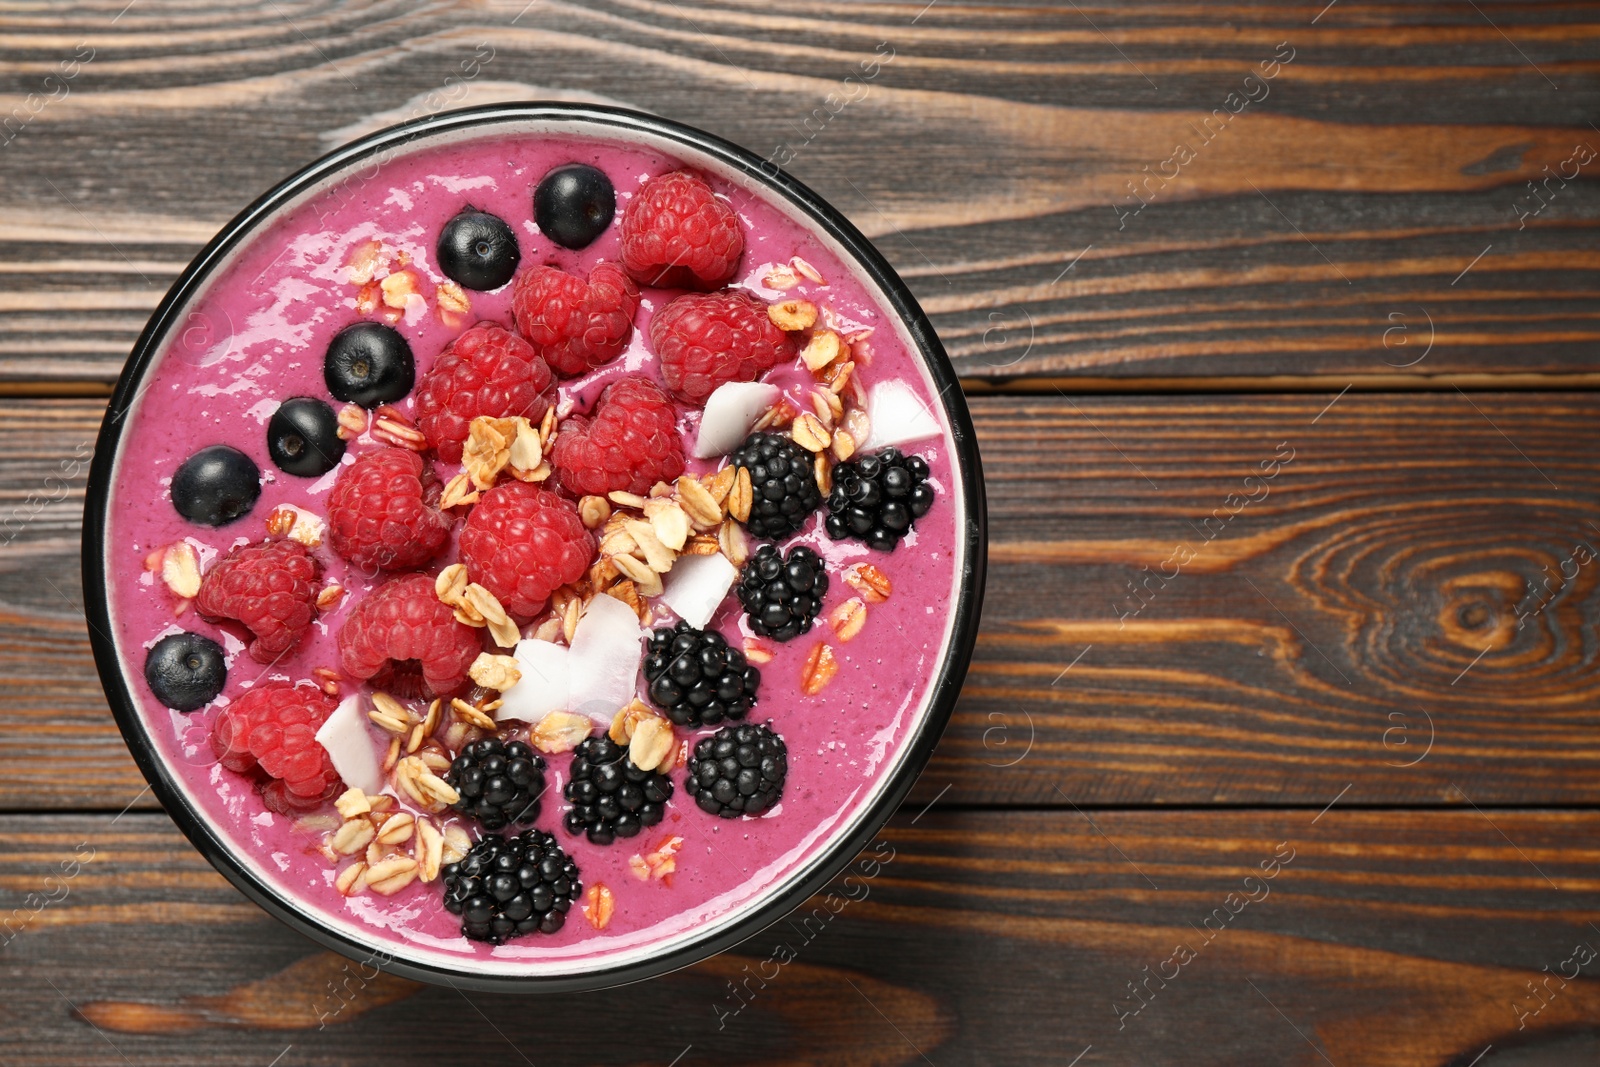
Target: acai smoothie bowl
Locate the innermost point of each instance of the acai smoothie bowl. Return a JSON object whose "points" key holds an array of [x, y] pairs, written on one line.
{"points": [[535, 547]]}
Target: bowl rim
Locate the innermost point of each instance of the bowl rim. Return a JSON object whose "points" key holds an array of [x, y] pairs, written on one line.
{"points": [[621, 122]]}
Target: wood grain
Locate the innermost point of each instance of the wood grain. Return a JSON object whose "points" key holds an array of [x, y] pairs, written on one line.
{"points": [[1326, 229], [1376, 615], [1335, 602], [1355, 625], [1399, 938]]}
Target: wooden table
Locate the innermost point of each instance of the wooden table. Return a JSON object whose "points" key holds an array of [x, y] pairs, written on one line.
{"points": [[1278, 322]]}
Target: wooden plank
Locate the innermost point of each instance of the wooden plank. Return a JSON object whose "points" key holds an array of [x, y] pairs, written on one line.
{"points": [[1392, 938], [1387, 611], [1326, 229], [1355, 625]]}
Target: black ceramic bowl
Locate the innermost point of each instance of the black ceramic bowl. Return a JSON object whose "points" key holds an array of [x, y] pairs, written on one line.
{"points": [[121, 667]]}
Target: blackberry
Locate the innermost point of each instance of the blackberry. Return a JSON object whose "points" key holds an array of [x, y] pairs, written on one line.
{"points": [[782, 594], [506, 887], [611, 797], [783, 487], [696, 678], [878, 498], [499, 782], [739, 770]]}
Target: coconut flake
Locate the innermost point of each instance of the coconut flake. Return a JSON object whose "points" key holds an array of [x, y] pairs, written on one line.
{"points": [[696, 586], [349, 743], [603, 665], [544, 684], [730, 412], [898, 416]]}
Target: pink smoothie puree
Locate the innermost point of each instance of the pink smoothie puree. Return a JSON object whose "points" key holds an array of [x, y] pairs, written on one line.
{"points": [[257, 336]]}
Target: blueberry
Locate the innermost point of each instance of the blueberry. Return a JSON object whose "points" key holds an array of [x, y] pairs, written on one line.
{"points": [[216, 485], [574, 204], [303, 437], [478, 250], [185, 671], [369, 364]]}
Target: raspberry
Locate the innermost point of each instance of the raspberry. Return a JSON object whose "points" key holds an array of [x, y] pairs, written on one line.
{"points": [[270, 734], [677, 234], [522, 543], [383, 513], [404, 640], [628, 444], [706, 340], [574, 325], [486, 371], [270, 588]]}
